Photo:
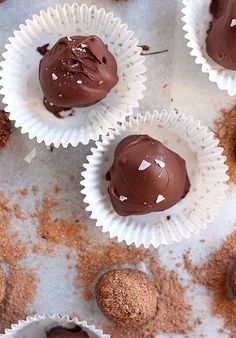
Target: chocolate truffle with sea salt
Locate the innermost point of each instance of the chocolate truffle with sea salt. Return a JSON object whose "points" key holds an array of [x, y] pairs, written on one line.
{"points": [[146, 176], [221, 39], [127, 297], [77, 72], [60, 332]]}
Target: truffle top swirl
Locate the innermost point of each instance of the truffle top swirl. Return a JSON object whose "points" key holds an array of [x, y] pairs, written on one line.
{"points": [[78, 71]]}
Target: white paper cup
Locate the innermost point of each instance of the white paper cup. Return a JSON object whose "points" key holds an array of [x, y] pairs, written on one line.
{"points": [[37, 325], [197, 18], [206, 169], [21, 88]]}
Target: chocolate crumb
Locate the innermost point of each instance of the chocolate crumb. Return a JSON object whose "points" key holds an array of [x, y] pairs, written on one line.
{"points": [[43, 49], [155, 53], [144, 47], [5, 128]]}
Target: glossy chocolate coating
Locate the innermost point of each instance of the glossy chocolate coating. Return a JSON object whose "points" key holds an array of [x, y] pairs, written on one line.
{"points": [[221, 39], [134, 190], [77, 72], [60, 332]]}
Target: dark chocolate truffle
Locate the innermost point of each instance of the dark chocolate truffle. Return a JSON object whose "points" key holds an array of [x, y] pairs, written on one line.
{"points": [[2, 285], [221, 39], [77, 72], [60, 332], [127, 297], [146, 176]]}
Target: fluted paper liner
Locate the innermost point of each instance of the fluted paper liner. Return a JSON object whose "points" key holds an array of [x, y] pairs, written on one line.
{"points": [[36, 326], [21, 88], [197, 18], [206, 169]]}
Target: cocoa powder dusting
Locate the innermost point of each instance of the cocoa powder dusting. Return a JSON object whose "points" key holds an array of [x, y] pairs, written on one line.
{"points": [[212, 274], [20, 284], [226, 132], [58, 230]]}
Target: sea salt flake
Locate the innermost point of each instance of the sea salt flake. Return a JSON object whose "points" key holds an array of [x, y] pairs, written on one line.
{"points": [[160, 163], [144, 165], [100, 82], [123, 198], [160, 175], [30, 156], [83, 45], [233, 23], [51, 104], [54, 77], [160, 198], [69, 39], [65, 113], [79, 82]]}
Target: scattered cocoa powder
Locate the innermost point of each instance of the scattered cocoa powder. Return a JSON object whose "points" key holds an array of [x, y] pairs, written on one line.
{"points": [[24, 192], [18, 212], [20, 284], [212, 274], [35, 190], [5, 128], [226, 132], [56, 189], [58, 230], [37, 249]]}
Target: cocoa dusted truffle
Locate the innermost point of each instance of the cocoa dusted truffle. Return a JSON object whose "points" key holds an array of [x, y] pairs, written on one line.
{"points": [[146, 176], [127, 297], [60, 332], [221, 39], [77, 72], [2, 285]]}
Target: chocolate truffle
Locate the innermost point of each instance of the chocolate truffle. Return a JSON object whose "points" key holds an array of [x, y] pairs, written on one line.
{"points": [[127, 297], [221, 39], [77, 72], [2, 285], [146, 176], [60, 332]]}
